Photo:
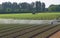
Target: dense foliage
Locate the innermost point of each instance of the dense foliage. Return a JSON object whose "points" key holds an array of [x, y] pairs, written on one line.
{"points": [[8, 7], [55, 8], [34, 7]]}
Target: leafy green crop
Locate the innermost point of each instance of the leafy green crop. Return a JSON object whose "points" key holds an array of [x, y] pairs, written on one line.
{"points": [[37, 16]]}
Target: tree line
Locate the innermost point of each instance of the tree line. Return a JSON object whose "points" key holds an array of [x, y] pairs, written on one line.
{"points": [[34, 7]]}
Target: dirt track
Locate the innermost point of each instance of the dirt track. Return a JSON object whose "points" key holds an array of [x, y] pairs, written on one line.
{"points": [[15, 21]]}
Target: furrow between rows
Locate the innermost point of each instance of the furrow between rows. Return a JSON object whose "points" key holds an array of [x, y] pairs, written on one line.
{"points": [[27, 35], [17, 30], [20, 33], [47, 33]]}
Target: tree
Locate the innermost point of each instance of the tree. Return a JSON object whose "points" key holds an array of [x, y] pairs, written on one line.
{"points": [[8, 10], [24, 7], [15, 7], [1, 8], [6, 5], [33, 8], [54, 8], [43, 7], [38, 6]]}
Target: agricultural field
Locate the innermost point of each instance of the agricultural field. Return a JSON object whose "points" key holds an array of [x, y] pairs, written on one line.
{"points": [[27, 31], [30, 16]]}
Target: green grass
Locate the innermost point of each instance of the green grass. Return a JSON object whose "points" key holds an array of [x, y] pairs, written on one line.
{"points": [[38, 16]]}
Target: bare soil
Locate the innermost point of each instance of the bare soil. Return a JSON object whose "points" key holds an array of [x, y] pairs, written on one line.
{"points": [[56, 35]]}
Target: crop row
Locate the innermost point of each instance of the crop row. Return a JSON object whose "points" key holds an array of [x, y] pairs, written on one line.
{"points": [[28, 35], [47, 33], [22, 32], [15, 29], [40, 16], [28, 31]]}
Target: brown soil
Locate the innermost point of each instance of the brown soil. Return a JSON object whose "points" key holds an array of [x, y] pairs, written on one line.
{"points": [[56, 35]]}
